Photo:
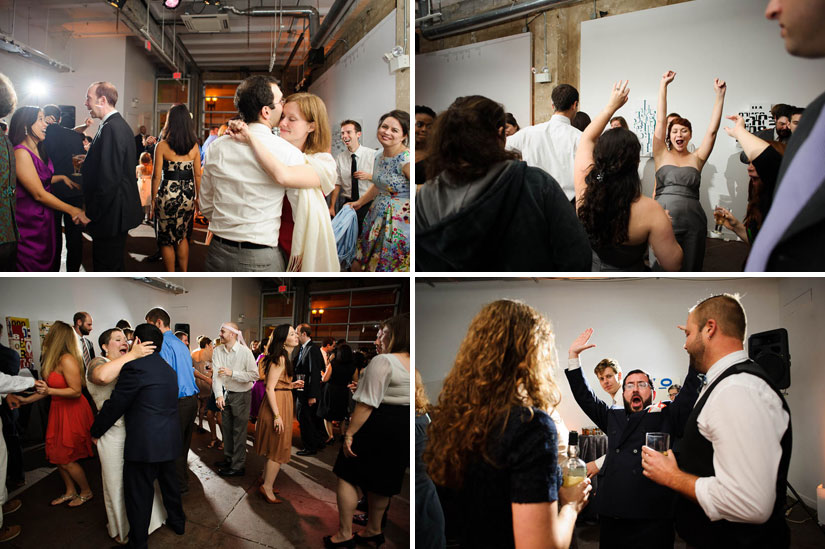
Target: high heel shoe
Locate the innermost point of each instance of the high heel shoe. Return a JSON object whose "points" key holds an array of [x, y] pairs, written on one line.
{"points": [[348, 543], [376, 541], [266, 497]]}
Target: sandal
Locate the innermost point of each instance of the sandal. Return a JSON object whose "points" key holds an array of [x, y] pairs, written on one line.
{"points": [[213, 443], [63, 499], [82, 499]]}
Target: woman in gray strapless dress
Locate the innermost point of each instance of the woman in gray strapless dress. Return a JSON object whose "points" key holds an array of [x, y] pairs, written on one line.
{"points": [[678, 172], [677, 191]]}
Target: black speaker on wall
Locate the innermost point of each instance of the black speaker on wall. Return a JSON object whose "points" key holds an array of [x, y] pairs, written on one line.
{"points": [[183, 328], [67, 113], [315, 58], [770, 350]]}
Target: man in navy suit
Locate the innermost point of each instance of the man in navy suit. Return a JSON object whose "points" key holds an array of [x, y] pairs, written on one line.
{"points": [[310, 362], [633, 510], [146, 394], [109, 188]]}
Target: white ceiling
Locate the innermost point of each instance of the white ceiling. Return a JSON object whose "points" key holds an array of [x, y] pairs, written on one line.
{"points": [[249, 42]]}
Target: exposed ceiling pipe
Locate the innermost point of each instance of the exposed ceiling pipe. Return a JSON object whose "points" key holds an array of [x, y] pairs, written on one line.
{"points": [[9, 44], [332, 19], [294, 51], [303, 11], [488, 19]]}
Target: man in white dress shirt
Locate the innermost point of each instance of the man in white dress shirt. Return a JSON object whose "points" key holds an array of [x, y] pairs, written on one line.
{"points": [[355, 167], [736, 448], [235, 373], [552, 145], [243, 204]]}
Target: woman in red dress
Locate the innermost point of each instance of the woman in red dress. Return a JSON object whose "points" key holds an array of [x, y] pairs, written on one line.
{"points": [[70, 417]]}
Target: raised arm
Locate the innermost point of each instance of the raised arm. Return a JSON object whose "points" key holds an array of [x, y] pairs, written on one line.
{"points": [[660, 132], [584, 152], [595, 409], [704, 150], [752, 145], [107, 372], [297, 177]]}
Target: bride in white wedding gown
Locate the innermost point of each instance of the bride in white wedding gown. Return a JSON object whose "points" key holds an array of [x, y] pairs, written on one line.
{"points": [[102, 377]]}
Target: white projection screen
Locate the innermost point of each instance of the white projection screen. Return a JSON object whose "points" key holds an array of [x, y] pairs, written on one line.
{"points": [[498, 69]]}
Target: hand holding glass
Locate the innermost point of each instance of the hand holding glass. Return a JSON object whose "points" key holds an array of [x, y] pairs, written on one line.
{"points": [[300, 377], [659, 442]]}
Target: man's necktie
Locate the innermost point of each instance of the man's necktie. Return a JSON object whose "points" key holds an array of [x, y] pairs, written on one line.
{"points": [[300, 355], [86, 356], [355, 194]]}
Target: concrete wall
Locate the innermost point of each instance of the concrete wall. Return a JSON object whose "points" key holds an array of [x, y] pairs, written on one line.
{"points": [[563, 42], [635, 321]]}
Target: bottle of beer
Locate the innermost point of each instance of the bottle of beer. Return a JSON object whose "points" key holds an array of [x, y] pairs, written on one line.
{"points": [[574, 469]]}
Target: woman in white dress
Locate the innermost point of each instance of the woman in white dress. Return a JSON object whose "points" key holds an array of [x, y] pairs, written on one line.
{"points": [[305, 125], [102, 375]]}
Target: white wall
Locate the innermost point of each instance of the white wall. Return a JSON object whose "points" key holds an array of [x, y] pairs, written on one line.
{"points": [[205, 307], [498, 69], [699, 40], [246, 301], [139, 83], [634, 322], [802, 313], [359, 86]]}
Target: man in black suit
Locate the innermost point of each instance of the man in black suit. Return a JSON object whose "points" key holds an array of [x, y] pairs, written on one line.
{"points": [[310, 363], [791, 236], [109, 187], [61, 144], [146, 395], [633, 510]]}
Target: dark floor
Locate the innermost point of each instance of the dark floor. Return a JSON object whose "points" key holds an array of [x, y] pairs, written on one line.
{"points": [[140, 246], [221, 513]]}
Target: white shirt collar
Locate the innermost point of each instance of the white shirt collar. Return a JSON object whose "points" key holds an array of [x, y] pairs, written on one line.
{"points": [[105, 118], [560, 118], [723, 364]]}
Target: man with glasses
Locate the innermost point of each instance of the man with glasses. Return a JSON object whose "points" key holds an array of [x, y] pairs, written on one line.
{"points": [[241, 201], [633, 511]]}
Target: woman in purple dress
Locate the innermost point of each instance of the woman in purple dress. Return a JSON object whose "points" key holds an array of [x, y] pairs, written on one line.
{"points": [[36, 204]]}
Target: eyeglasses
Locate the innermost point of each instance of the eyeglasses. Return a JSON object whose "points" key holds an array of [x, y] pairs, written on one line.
{"points": [[639, 384], [280, 102]]}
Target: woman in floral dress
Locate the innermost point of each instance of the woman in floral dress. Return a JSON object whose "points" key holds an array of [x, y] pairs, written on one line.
{"points": [[384, 244]]}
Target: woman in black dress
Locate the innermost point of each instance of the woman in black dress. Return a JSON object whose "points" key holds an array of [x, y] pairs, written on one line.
{"points": [[376, 449], [492, 439], [336, 393]]}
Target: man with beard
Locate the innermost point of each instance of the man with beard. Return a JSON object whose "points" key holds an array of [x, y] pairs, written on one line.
{"points": [[733, 460], [633, 511]]}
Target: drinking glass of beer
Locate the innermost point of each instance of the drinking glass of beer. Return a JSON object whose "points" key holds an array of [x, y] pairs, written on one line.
{"points": [[658, 441], [77, 162]]}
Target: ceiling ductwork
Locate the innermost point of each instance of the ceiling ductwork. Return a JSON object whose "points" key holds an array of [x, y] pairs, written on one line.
{"points": [[333, 18], [218, 22], [487, 19], [307, 12]]}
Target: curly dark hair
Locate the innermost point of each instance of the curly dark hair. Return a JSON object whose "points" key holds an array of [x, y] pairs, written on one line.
{"points": [[179, 131], [253, 94], [612, 186], [467, 139]]}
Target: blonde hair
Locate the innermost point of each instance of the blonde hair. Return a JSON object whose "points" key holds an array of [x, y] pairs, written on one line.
{"points": [[422, 403], [313, 110], [61, 340], [505, 361]]}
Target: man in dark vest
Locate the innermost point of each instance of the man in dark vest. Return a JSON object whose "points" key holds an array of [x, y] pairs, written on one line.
{"points": [[733, 460]]}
